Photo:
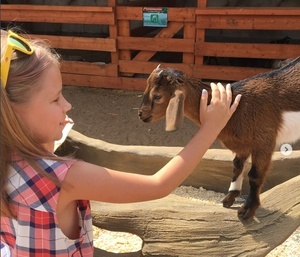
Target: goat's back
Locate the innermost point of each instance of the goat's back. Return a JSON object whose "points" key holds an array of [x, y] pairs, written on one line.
{"points": [[265, 98]]}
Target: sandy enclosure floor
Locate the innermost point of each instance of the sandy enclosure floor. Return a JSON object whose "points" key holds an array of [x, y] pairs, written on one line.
{"points": [[111, 115]]}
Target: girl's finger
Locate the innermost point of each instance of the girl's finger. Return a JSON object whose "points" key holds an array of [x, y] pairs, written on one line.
{"points": [[203, 104], [229, 93], [235, 103], [215, 93], [222, 92]]}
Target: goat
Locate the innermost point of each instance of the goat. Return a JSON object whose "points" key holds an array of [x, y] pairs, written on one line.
{"points": [[268, 115]]}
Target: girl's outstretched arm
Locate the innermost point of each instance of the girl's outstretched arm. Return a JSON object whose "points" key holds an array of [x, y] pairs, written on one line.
{"points": [[92, 182]]}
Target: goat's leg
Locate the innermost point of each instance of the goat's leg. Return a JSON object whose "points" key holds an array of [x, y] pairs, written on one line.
{"points": [[260, 165], [237, 180]]}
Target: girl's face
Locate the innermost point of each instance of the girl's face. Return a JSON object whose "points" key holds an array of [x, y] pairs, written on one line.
{"points": [[44, 116]]}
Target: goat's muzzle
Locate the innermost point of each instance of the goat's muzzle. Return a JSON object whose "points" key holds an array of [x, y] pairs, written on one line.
{"points": [[143, 116]]}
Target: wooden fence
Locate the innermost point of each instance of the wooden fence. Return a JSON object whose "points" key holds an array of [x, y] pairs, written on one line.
{"points": [[133, 53], [243, 19]]}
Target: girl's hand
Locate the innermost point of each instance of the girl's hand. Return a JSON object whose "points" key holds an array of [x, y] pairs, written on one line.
{"points": [[220, 109]]}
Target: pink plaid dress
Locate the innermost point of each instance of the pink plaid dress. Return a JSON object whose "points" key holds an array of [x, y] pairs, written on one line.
{"points": [[36, 232]]}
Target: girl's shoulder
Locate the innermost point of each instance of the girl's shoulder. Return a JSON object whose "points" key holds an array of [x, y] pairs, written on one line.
{"points": [[26, 186], [54, 167]]}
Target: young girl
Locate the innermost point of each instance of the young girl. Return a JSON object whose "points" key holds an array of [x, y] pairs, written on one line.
{"points": [[45, 198]]}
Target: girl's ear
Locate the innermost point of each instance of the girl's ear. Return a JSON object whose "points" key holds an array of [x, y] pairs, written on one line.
{"points": [[175, 111]]}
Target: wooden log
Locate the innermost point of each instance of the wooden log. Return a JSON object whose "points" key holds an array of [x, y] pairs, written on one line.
{"points": [[176, 226]]}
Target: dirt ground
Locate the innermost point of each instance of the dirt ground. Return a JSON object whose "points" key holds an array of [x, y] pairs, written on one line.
{"points": [[112, 116]]}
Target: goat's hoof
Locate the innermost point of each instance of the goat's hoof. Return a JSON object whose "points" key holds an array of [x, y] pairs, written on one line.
{"points": [[230, 198], [246, 213]]}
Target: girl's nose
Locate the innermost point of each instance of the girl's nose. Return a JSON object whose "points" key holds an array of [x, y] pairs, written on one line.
{"points": [[67, 105]]}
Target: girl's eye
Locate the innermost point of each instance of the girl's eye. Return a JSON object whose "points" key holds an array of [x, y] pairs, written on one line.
{"points": [[157, 97], [56, 100]]}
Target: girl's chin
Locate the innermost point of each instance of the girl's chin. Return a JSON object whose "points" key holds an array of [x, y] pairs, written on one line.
{"points": [[64, 133]]}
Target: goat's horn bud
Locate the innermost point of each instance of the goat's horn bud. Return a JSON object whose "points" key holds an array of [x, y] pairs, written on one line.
{"points": [[160, 73]]}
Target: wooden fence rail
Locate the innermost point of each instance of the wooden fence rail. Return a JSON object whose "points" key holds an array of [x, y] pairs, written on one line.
{"points": [[237, 19], [58, 14], [186, 41]]}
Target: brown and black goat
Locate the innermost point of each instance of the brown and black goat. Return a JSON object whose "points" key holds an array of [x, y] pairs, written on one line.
{"points": [[267, 116]]}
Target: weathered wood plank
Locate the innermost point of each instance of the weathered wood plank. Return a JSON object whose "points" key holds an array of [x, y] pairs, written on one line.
{"points": [[248, 18], [58, 14], [109, 70], [268, 51], [156, 44], [174, 14], [148, 67], [214, 72], [71, 79], [249, 11], [66, 8], [200, 33], [169, 32], [113, 34], [104, 82], [189, 32], [251, 23], [134, 83], [79, 43], [124, 30]]}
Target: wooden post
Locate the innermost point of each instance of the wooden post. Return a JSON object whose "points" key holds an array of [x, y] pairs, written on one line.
{"points": [[200, 33], [113, 34]]}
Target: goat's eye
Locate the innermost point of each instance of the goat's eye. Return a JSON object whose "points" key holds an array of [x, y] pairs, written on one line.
{"points": [[157, 97]]}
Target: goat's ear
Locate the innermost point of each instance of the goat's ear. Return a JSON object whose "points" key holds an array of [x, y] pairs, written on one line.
{"points": [[175, 111]]}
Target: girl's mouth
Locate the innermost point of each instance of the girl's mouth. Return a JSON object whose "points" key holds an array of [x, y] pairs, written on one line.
{"points": [[67, 121], [67, 126]]}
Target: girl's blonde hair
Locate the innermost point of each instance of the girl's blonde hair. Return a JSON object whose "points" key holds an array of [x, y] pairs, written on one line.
{"points": [[25, 73]]}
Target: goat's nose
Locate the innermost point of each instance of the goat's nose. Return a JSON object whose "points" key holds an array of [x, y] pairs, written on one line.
{"points": [[143, 108], [140, 112]]}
